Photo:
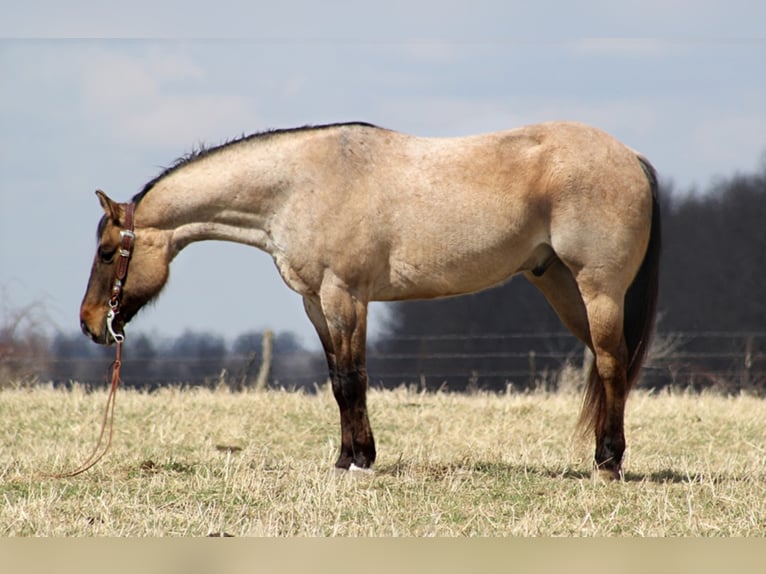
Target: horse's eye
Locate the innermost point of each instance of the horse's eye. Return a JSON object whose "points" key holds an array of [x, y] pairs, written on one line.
{"points": [[106, 254]]}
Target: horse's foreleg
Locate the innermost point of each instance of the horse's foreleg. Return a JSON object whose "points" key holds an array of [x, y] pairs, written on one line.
{"points": [[341, 322]]}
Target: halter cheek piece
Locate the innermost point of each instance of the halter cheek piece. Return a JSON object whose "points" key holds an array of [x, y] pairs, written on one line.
{"points": [[127, 240]]}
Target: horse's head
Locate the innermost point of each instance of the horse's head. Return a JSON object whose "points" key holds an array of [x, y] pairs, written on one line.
{"points": [[147, 273]]}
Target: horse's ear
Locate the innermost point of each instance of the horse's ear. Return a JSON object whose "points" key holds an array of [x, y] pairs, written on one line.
{"points": [[111, 208]]}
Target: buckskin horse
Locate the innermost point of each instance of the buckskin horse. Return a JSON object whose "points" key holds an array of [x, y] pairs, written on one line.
{"points": [[353, 213]]}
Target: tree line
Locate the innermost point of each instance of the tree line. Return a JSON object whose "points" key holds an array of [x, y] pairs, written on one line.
{"points": [[192, 358], [712, 282]]}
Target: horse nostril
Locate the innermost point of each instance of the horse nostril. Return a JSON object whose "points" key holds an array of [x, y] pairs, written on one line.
{"points": [[86, 329]]}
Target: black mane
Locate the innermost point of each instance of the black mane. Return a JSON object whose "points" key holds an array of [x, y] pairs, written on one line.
{"points": [[203, 151]]}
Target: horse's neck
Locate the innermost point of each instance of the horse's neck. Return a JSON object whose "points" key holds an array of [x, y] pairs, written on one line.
{"points": [[229, 197]]}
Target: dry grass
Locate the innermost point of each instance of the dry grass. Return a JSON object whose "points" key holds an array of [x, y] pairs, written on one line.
{"points": [[260, 464]]}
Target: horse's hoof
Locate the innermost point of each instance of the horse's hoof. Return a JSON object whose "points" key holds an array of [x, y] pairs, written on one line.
{"points": [[353, 472]]}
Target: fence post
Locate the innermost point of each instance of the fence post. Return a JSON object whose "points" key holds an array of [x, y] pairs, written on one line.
{"points": [[262, 380], [748, 364]]}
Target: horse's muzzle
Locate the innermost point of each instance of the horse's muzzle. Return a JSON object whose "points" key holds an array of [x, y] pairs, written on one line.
{"points": [[102, 337], [87, 332]]}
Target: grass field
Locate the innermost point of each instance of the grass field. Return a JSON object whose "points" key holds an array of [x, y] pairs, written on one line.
{"points": [[199, 463]]}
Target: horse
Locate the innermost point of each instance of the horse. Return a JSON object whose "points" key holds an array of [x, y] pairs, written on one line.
{"points": [[353, 213]]}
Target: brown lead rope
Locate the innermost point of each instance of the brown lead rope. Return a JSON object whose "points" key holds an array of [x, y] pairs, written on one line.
{"points": [[127, 238]]}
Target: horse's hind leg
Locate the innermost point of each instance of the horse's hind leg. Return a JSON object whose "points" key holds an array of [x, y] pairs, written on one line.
{"points": [[604, 406], [341, 322], [560, 289], [595, 317]]}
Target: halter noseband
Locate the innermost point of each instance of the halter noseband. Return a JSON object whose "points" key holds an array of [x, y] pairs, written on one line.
{"points": [[127, 239]]}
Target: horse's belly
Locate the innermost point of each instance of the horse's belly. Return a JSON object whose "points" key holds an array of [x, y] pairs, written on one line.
{"points": [[452, 274]]}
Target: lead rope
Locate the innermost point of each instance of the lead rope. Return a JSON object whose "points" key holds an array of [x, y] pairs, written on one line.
{"points": [[127, 238], [108, 420]]}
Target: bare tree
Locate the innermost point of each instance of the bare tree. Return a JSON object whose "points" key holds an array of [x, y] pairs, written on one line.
{"points": [[23, 344]]}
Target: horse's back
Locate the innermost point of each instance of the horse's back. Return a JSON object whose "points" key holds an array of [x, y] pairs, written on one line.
{"points": [[552, 163]]}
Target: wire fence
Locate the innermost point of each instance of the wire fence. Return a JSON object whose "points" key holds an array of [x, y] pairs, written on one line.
{"points": [[458, 362], [696, 360]]}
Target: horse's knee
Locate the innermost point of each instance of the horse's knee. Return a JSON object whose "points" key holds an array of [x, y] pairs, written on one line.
{"points": [[350, 387]]}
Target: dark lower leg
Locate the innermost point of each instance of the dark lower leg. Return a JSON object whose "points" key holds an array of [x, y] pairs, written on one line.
{"points": [[357, 442], [610, 435], [610, 448]]}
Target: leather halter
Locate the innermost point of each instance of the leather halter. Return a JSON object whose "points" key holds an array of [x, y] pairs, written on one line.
{"points": [[127, 240]]}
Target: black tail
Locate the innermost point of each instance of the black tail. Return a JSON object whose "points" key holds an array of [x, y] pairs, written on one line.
{"points": [[641, 298], [640, 314]]}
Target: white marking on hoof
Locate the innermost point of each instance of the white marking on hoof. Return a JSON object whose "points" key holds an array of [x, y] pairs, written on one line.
{"points": [[359, 469]]}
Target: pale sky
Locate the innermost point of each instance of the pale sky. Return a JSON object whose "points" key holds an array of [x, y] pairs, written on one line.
{"points": [[105, 98]]}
